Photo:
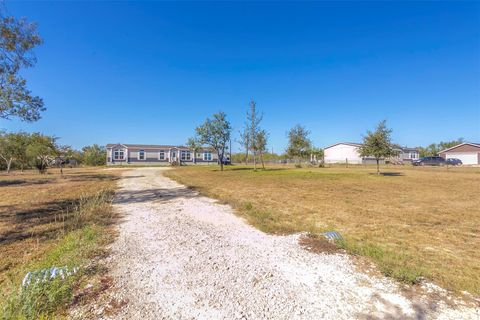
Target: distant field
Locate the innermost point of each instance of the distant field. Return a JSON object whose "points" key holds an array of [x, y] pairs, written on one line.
{"points": [[414, 222], [50, 220]]}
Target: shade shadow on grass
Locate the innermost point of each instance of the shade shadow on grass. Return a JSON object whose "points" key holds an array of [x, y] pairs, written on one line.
{"points": [[154, 194], [22, 182], [389, 174], [252, 169], [47, 220]]}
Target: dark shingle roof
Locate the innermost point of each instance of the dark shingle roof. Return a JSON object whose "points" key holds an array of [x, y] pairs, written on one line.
{"points": [[152, 146]]}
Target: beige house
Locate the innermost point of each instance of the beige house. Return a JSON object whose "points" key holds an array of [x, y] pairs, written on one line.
{"points": [[146, 154], [467, 152]]}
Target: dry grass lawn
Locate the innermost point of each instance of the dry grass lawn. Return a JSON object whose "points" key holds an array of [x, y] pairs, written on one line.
{"points": [[414, 222], [40, 213]]}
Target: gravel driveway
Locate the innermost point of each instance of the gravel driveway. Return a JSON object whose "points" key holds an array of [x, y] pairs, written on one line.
{"points": [[183, 256]]}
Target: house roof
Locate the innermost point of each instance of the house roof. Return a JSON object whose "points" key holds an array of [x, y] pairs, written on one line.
{"points": [[461, 144], [143, 146], [353, 144], [406, 149], [152, 146]]}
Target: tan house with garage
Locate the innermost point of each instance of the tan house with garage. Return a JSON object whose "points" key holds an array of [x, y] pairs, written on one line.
{"points": [[467, 152], [147, 154]]}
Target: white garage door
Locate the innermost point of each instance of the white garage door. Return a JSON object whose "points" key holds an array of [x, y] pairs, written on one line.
{"points": [[466, 157]]}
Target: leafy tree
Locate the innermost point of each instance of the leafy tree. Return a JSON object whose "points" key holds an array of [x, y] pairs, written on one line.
{"points": [[215, 133], [433, 149], [94, 155], [318, 154], [299, 143], [253, 126], [20, 142], [378, 144], [193, 144], [18, 37], [42, 151], [7, 149], [260, 144]]}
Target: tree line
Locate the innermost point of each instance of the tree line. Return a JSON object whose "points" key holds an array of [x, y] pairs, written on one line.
{"points": [[23, 150], [434, 148]]}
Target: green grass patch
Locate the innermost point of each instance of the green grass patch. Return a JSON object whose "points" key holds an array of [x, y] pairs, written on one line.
{"points": [[44, 299], [391, 263]]}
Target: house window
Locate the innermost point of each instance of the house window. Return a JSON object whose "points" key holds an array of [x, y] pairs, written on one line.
{"points": [[185, 155], [161, 155], [118, 154], [207, 156], [141, 154], [413, 155]]}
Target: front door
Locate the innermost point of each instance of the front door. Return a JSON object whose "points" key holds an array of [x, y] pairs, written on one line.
{"points": [[173, 156]]}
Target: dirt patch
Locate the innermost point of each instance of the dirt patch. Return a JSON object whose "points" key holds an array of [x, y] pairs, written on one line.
{"points": [[318, 244]]}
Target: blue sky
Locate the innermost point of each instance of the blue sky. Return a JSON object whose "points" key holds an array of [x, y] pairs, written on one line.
{"points": [[149, 72]]}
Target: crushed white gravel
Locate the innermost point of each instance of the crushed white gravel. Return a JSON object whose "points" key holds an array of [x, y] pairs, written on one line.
{"points": [[184, 256]]}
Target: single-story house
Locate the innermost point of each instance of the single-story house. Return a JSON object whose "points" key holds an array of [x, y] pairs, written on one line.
{"points": [[147, 154], [343, 152], [467, 152], [407, 154], [347, 152]]}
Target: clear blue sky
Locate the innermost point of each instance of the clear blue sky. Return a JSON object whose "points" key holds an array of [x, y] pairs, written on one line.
{"points": [[150, 72]]}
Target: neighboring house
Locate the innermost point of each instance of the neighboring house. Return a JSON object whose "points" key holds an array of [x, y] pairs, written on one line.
{"points": [[347, 152], [121, 154], [343, 152], [407, 154], [467, 152]]}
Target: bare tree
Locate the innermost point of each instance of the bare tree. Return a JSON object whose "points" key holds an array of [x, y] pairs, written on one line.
{"points": [[244, 141], [253, 119], [261, 144], [194, 145]]}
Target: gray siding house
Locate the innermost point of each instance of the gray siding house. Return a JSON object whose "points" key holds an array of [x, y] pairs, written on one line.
{"points": [[408, 154], [146, 154]]}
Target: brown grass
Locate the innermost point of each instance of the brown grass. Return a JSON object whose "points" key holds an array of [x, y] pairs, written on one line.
{"points": [[414, 222], [38, 211]]}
